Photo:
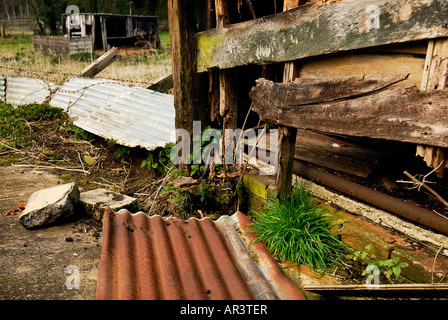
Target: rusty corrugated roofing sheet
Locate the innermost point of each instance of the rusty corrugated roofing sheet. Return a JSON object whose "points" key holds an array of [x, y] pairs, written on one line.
{"points": [[169, 259], [131, 116]]}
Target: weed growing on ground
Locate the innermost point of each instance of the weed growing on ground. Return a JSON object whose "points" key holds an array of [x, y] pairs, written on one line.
{"points": [[159, 159], [79, 133], [390, 268], [298, 230]]}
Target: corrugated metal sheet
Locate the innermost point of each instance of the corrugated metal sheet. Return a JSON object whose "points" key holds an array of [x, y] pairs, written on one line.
{"points": [[2, 88], [22, 90], [131, 116], [155, 258]]}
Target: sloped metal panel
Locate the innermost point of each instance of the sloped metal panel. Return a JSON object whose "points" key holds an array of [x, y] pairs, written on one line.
{"points": [[170, 259], [23, 91], [131, 116], [2, 87]]}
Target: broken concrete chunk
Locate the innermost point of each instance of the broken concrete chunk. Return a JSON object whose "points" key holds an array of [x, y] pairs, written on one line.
{"points": [[50, 205], [95, 201]]}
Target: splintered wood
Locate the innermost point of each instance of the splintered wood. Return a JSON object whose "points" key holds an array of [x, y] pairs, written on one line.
{"points": [[434, 78]]}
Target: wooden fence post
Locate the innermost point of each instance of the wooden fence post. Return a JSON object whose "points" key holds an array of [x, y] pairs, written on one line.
{"points": [[189, 86], [227, 87], [287, 136]]}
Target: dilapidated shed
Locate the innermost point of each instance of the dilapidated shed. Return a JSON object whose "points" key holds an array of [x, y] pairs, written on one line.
{"points": [[89, 32], [109, 30], [353, 86]]}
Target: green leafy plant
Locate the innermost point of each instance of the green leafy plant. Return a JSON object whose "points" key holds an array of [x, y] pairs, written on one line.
{"points": [[201, 144], [80, 134], [37, 112], [391, 268], [298, 230], [159, 159], [121, 152]]}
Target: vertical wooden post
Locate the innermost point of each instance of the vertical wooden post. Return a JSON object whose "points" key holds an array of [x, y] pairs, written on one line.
{"points": [[287, 136], [104, 32], [227, 87], [189, 87]]}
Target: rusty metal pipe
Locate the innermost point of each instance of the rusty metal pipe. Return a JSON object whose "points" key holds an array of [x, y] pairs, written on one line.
{"points": [[422, 216]]}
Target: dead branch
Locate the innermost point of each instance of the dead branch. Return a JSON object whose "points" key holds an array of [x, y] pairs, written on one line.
{"points": [[50, 167], [418, 184], [160, 188]]}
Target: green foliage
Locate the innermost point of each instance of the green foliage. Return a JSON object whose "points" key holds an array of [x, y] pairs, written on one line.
{"points": [[37, 112], [121, 152], [80, 134], [297, 230], [391, 268], [14, 122], [159, 159], [201, 144]]}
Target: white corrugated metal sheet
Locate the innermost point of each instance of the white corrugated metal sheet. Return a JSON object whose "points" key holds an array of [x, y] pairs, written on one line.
{"points": [[2, 88], [22, 90], [131, 116]]}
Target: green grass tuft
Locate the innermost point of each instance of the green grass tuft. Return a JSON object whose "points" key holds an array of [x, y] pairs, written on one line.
{"points": [[298, 230]]}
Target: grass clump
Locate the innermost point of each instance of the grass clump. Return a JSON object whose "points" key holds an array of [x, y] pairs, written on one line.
{"points": [[298, 230]]}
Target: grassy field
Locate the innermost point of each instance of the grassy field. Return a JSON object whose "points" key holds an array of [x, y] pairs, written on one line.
{"points": [[17, 58]]}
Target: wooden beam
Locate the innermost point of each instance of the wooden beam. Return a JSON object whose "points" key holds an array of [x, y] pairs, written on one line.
{"points": [[287, 136], [372, 64], [398, 113], [100, 64], [227, 80], [103, 21], [315, 90], [188, 86], [313, 30]]}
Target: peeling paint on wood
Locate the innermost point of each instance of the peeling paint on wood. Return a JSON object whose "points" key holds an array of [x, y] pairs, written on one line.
{"points": [[313, 30]]}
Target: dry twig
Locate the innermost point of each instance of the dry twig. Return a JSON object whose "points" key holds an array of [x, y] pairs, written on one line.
{"points": [[418, 184]]}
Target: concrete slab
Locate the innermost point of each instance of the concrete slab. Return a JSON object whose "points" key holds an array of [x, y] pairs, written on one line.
{"points": [[95, 201]]}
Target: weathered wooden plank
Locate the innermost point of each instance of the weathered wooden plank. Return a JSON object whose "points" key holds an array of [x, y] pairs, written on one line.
{"points": [[315, 90], [337, 154], [398, 113], [100, 64], [373, 64], [313, 30]]}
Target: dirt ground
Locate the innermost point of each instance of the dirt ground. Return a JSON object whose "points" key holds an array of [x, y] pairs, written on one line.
{"points": [[33, 262]]}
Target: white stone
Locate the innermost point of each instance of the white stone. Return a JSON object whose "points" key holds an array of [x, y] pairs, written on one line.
{"points": [[49, 205]]}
